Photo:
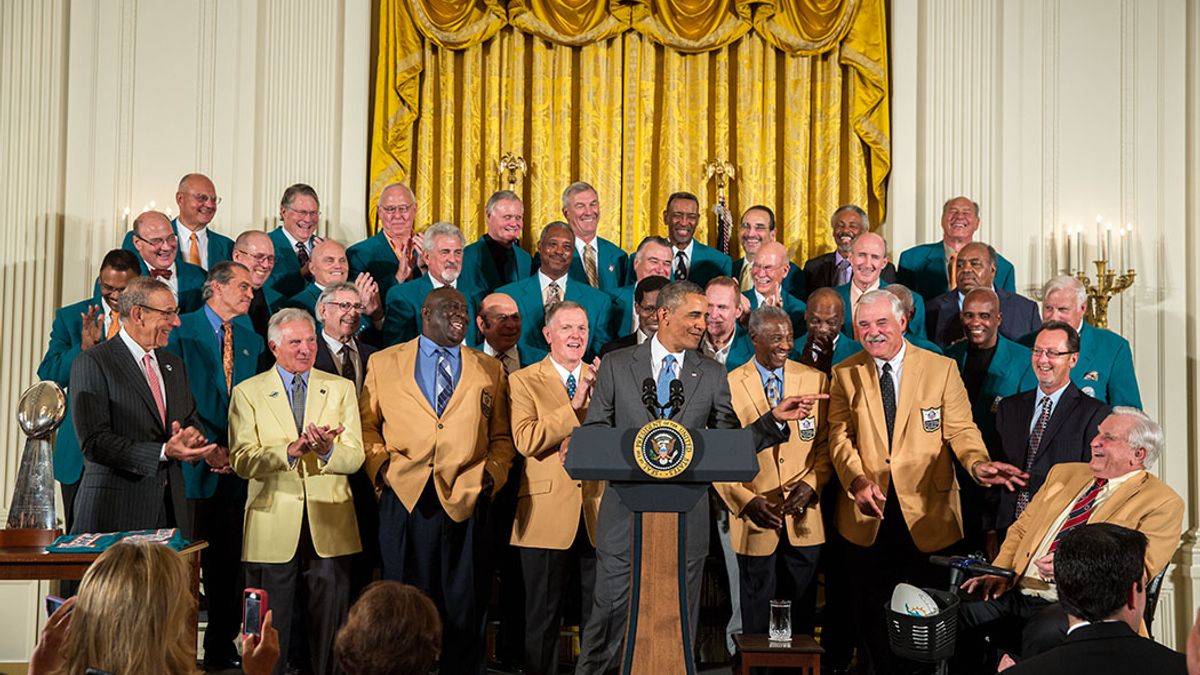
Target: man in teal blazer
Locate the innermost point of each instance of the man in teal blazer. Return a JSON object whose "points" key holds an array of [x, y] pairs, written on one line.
{"points": [[67, 339], [496, 258], [725, 339], [757, 228], [916, 329], [925, 268], [377, 255], [556, 246], [581, 208], [652, 259], [1104, 370], [768, 272], [868, 259], [691, 260], [443, 244], [157, 246], [300, 212], [823, 320], [197, 199], [202, 340]]}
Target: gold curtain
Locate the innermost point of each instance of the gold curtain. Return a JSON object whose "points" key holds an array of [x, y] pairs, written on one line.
{"points": [[633, 98]]}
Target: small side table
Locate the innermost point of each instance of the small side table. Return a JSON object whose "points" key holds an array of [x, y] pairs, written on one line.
{"points": [[756, 651]]}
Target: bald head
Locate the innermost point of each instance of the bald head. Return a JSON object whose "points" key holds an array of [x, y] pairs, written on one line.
{"points": [[825, 313], [499, 321], [769, 268], [329, 265], [253, 248], [868, 256]]}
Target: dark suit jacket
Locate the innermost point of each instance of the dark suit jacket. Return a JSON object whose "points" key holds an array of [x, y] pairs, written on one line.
{"points": [[1110, 647], [479, 274], [794, 283], [706, 263], [121, 435], [943, 326], [220, 247], [622, 342], [821, 272], [1067, 438], [265, 303], [324, 361]]}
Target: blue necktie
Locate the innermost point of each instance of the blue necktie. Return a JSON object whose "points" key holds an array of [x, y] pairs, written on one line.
{"points": [[773, 390], [445, 380], [571, 386], [665, 376]]}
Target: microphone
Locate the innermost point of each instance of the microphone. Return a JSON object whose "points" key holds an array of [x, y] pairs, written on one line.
{"points": [[676, 398], [650, 396]]}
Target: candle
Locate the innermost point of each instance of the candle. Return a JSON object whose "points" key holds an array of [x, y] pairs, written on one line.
{"points": [[125, 218], [1108, 249], [1079, 247]]}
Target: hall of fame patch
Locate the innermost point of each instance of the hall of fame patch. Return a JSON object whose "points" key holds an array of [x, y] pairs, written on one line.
{"points": [[663, 449]]}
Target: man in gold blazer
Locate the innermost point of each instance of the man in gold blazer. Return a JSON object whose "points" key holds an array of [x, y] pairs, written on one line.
{"points": [[556, 515], [1114, 487], [438, 442], [294, 434], [896, 412], [777, 516]]}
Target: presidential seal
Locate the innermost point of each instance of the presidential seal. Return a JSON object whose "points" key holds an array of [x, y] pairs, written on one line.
{"points": [[663, 449]]}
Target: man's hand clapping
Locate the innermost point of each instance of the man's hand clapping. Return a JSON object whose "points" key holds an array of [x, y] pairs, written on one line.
{"points": [[188, 444]]}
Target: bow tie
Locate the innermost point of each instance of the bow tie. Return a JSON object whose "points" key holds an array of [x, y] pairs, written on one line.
{"points": [[165, 274]]}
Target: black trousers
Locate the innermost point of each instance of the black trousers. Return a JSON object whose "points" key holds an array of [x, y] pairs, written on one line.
{"points": [[219, 521], [838, 633], [786, 574], [366, 512], [447, 560], [510, 585], [68, 496], [1023, 625], [546, 574], [321, 586]]}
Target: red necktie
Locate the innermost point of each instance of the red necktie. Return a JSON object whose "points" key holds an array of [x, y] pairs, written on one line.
{"points": [[155, 390], [165, 274], [1080, 512]]}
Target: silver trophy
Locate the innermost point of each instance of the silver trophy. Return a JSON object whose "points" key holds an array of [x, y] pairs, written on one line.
{"points": [[39, 413]]}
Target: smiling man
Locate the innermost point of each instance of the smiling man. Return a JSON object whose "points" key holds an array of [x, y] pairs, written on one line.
{"points": [[157, 244], [496, 258], [758, 228], [691, 260], [598, 262], [300, 213], [767, 274], [439, 444], [834, 268], [930, 269], [869, 258], [392, 255], [197, 200], [975, 267], [254, 250], [442, 247]]}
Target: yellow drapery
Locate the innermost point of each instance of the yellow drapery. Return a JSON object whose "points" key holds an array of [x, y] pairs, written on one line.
{"points": [[633, 97]]}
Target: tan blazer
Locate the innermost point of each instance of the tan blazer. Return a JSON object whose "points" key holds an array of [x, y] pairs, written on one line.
{"points": [[782, 466], [401, 429], [260, 429], [1143, 503], [549, 501], [919, 465]]}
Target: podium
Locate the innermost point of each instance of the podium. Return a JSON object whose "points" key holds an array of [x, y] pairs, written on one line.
{"points": [[660, 472]]}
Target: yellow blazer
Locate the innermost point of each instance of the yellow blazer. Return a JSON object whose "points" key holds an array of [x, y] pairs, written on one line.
{"points": [[260, 429], [781, 467], [1142, 503], [933, 413], [402, 429], [549, 501]]}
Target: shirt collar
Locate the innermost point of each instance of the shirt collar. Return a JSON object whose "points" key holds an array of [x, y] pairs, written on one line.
{"points": [[658, 352], [544, 282], [288, 377], [293, 241], [1055, 396], [766, 374], [687, 251], [428, 347], [563, 372], [213, 320], [897, 361], [580, 245], [134, 347], [335, 345]]}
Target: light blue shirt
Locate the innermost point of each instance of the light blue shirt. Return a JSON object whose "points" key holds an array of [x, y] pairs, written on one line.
{"points": [[766, 375], [1037, 403], [287, 381], [426, 373], [216, 323]]}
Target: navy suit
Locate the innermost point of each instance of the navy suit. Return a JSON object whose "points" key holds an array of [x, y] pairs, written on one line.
{"points": [[375, 256], [794, 283], [1104, 370], [706, 264], [612, 266], [528, 295], [916, 327], [285, 277], [821, 272], [792, 305], [943, 325], [924, 269], [402, 311], [220, 247], [480, 276]]}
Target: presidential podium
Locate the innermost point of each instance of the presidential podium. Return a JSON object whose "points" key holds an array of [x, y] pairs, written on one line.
{"points": [[660, 471]]}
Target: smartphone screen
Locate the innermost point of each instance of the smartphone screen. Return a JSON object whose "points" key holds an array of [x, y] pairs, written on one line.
{"points": [[252, 613], [53, 602]]}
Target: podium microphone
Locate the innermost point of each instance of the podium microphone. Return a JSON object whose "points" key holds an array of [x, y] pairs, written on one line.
{"points": [[650, 397], [676, 398]]}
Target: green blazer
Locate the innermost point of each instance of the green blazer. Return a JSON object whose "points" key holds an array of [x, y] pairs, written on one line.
{"points": [[1010, 372], [1104, 370], [191, 283], [795, 282], [196, 343], [528, 295], [480, 276], [285, 277], [740, 352], [403, 312], [707, 263], [916, 327], [792, 305], [220, 247], [374, 255], [612, 266], [923, 269]]}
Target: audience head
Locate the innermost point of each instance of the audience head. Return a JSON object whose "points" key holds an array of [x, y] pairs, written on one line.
{"points": [[329, 264], [556, 247], [392, 629], [505, 217], [1127, 440], [443, 244], [581, 208], [1055, 351], [879, 323], [197, 200], [724, 295], [825, 313], [960, 219], [397, 208], [253, 248], [116, 269], [771, 335], [499, 321], [300, 211], [652, 259], [757, 226], [1064, 299], [340, 309], [769, 269], [444, 316], [292, 338], [847, 223], [566, 332], [155, 240], [148, 312], [645, 302], [228, 290], [132, 614], [980, 317], [681, 217], [868, 257], [682, 307], [905, 297], [975, 266], [1099, 570]]}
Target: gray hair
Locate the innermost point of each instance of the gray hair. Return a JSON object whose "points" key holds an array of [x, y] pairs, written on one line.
{"points": [[881, 295], [856, 209], [974, 203], [560, 306], [138, 292], [339, 287], [905, 296], [764, 314], [652, 239], [221, 273], [500, 196], [441, 229], [574, 189], [673, 294], [1065, 282], [288, 315], [1144, 433]]}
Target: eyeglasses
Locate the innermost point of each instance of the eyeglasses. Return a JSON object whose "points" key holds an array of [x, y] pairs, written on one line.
{"points": [[402, 209], [258, 257], [169, 313], [305, 214], [205, 199], [347, 306], [1049, 353], [170, 239]]}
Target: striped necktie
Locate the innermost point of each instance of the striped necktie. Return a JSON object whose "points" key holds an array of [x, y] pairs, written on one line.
{"points": [[589, 265], [1080, 511], [444, 385], [1035, 439]]}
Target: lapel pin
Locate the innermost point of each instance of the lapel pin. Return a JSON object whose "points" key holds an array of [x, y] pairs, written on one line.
{"points": [[610, 268], [245, 352], [168, 367], [274, 394], [322, 390]]}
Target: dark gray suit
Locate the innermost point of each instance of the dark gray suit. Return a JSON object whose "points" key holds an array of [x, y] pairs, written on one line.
{"points": [[617, 402], [124, 485]]}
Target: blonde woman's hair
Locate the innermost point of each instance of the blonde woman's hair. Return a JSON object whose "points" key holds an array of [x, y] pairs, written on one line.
{"points": [[133, 614]]}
